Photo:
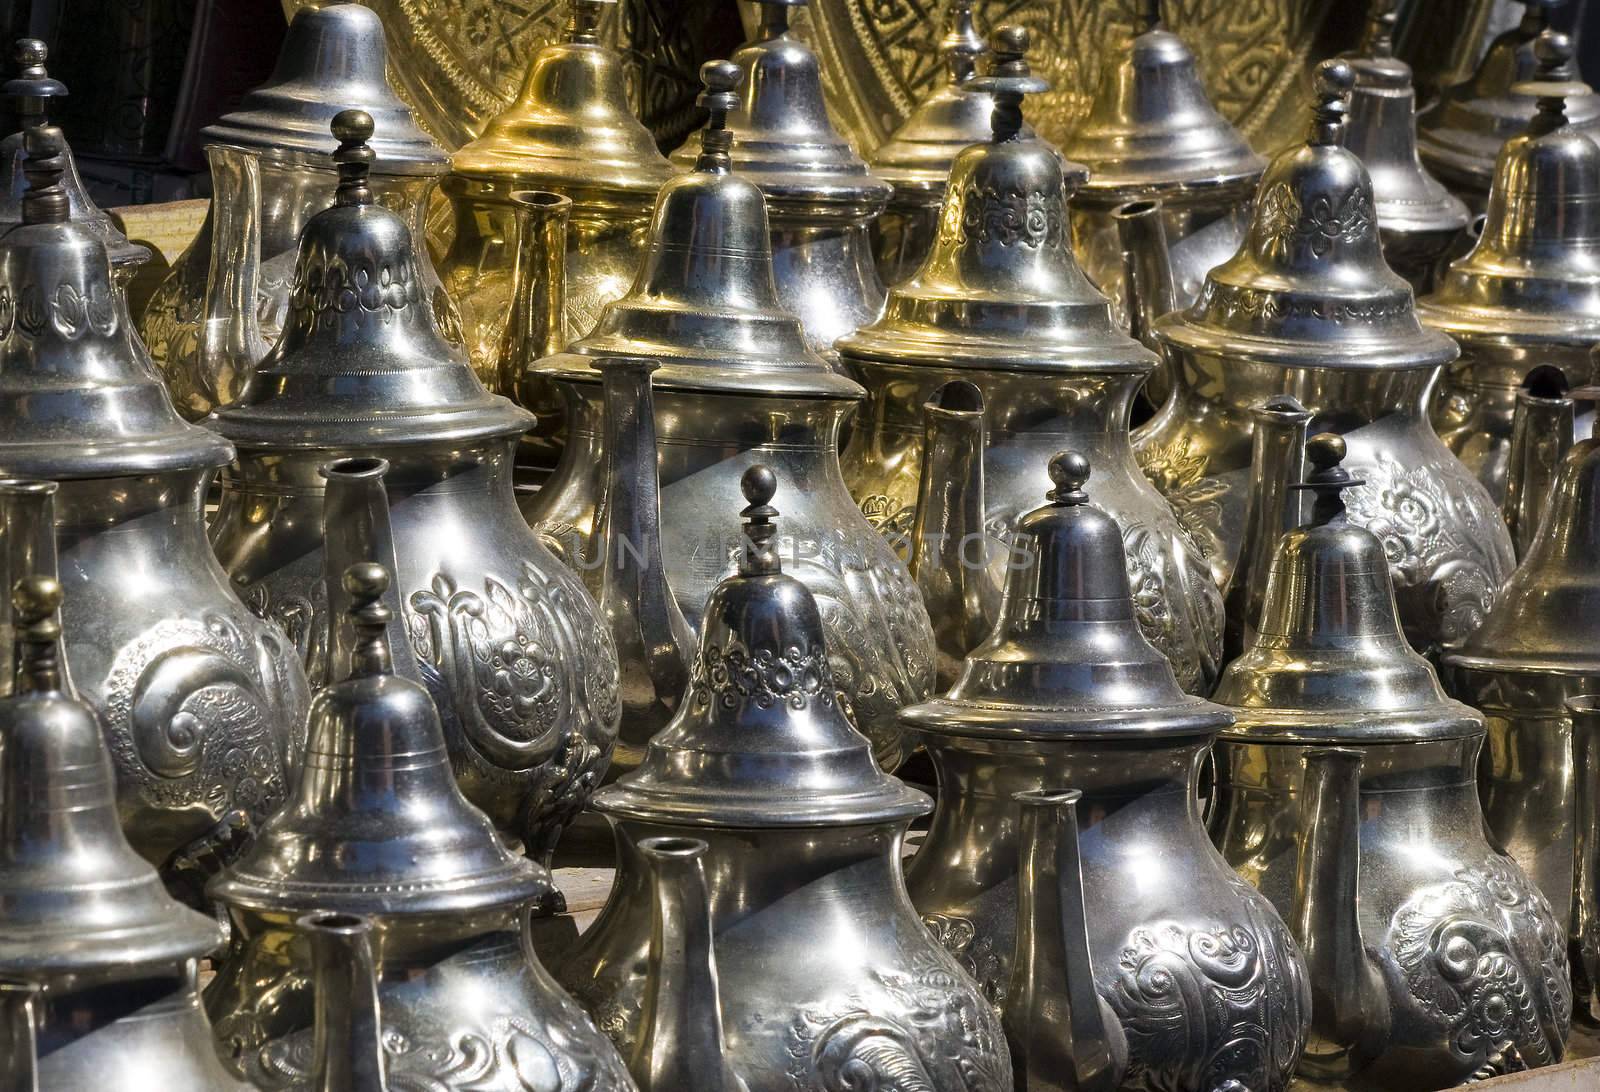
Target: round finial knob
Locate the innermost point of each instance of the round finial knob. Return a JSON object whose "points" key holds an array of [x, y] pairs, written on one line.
{"points": [[354, 156], [35, 599], [1010, 44], [352, 126], [1328, 479], [30, 53], [759, 485], [720, 80], [720, 77], [1553, 50], [1069, 470], [1335, 78], [1009, 79], [1326, 450], [365, 581]]}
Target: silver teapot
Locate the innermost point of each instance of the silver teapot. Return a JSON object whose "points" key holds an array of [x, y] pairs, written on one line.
{"points": [[197, 696], [1001, 302], [226, 300], [347, 1050], [377, 827], [1308, 307], [506, 640], [1345, 792], [827, 979], [1067, 691], [737, 386]]}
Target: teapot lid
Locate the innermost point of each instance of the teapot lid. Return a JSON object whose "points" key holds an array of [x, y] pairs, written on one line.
{"points": [[571, 129], [704, 304], [361, 360], [1460, 137], [1067, 659], [31, 90], [761, 740], [1534, 274], [1329, 662], [1000, 287], [1151, 131], [1309, 285], [783, 139], [78, 393], [377, 824], [333, 59], [78, 900]]}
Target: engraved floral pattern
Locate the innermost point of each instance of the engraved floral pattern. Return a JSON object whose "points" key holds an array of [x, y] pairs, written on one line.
{"points": [[68, 311], [331, 284], [974, 951], [1288, 227], [734, 676], [1179, 474], [991, 215]]}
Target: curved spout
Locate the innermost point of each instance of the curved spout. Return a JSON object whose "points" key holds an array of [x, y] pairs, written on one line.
{"points": [[19, 1051], [680, 1043], [1584, 930], [355, 528], [1349, 1002], [347, 1045], [1277, 462], [1148, 287], [948, 544], [1541, 436], [654, 642], [231, 342], [27, 548], [537, 324], [1062, 1036]]}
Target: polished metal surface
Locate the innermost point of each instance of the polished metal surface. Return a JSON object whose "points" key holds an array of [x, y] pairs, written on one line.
{"points": [[1308, 307], [1584, 712], [506, 640], [1002, 303], [738, 385], [197, 697], [378, 827], [1542, 432], [1345, 792], [1068, 691], [1417, 217], [827, 979], [820, 195], [347, 1047], [1529, 292], [228, 295]]}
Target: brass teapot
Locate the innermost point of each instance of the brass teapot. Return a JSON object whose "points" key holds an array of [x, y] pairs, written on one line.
{"points": [[1067, 691], [828, 981], [1345, 792], [226, 300], [1309, 308], [738, 385], [1001, 302]]}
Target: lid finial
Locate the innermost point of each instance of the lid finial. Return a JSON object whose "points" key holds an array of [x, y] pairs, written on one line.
{"points": [[1149, 17], [34, 602], [1551, 82], [961, 45], [33, 87], [1378, 41], [46, 200], [1009, 79], [1334, 81], [1068, 470], [583, 21], [354, 156], [720, 80], [775, 18], [1328, 479], [760, 558], [365, 582]]}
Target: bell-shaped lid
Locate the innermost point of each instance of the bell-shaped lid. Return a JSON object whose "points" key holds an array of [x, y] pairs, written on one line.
{"points": [[1329, 661], [79, 397], [1534, 274], [783, 139], [761, 739], [1309, 286], [1381, 130], [75, 898], [332, 59], [377, 824], [1461, 136], [31, 90], [1067, 658], [704, 303], [361, 360], [1000, 287], [571, 129], [1152, 132]]}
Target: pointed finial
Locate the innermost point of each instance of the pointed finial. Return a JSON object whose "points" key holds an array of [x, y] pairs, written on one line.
{"points": [[365, 582], [1334, 79], [1149, 17], [1068, 470], [961, 45], [1328, 479], [46, 200], [583, 20], [775, 18], [32, 86], [1009, 79], [354, 156], [720, 80], [1378, 41], [759, 484], [34, 602]]}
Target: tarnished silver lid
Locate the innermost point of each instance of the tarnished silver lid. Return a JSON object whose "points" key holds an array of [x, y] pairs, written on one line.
{"points": [[361, 361], [1329, 662], [78, 393], [1000, 287], [704, 304], [377, 825], [77, 899], [761, 739], [1151, 131], [1067, 658], [333, 58], [1310, 286]]}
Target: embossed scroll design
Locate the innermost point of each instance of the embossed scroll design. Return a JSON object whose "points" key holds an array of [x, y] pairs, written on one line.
{"points": [[68, 311], [1482, 955], [327, 284], [1003, 217], [1290, 228], [731, 677], [975, 952]]}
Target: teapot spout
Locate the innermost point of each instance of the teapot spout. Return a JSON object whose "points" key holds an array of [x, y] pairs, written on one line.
{"points": [[1063, 1037], [231, 341], [1584, 930], [1349, 1002], [19, 1053], [1272, 506], [680, 1033], [1149, 289], [948, 544], [537, 324], [355, 528], [1541, 436], [347, 1050]]}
